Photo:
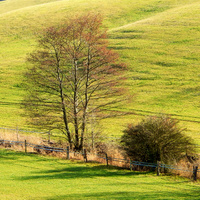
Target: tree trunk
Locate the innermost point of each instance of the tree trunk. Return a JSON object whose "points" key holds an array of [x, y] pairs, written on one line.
{"points": [[63, 102], [76, 129], [86, 100]]}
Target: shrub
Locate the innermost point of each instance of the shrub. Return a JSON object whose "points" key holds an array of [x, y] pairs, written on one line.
{"points": [[157, 138]]}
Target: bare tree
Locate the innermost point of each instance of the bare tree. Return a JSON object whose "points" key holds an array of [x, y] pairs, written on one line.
{"points": [[73, 74]]}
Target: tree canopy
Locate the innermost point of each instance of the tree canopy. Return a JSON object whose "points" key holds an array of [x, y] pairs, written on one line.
{"points": [[72, 76]]}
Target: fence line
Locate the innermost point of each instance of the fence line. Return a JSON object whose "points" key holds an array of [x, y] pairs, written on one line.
{"points": [[26, 131], [47, 132], [84, 154], [21, 130]]}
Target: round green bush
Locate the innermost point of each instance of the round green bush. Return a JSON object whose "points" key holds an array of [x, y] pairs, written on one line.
{"points": [[157, 138]]}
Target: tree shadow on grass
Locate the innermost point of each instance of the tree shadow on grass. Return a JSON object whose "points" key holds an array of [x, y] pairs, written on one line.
{"points": [[80, 172], [130, 195], [12, 154], [148, 190], [6, 154], [151, 189]]}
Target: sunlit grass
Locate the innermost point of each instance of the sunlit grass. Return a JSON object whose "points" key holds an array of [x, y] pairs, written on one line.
{"points": [[36, 177], [162, 54], [11, 5], [158, 40]]}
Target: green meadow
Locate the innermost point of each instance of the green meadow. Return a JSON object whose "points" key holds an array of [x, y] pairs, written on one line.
{"points": [[158, 40], [28, 177]]}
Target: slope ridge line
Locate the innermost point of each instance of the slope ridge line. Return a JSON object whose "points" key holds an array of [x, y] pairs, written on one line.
{"points": [[153, 17], [29, 7]]}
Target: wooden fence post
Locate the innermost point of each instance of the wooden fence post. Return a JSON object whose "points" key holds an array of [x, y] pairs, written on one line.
{"points": [[68, 158], [131, 166], [25, 146], [158, 168], [85, 155], [92, 140], [195, 169], [106, 158], [17, 133], [49, 137]]}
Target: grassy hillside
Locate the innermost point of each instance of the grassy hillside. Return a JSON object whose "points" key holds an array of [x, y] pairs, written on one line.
{"points": [[12, 5], [158, 39], [35, 177], [163, 55]]}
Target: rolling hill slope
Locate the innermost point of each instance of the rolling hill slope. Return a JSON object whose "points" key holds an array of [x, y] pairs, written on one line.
{"points": [[159, 41], [12, 5]]}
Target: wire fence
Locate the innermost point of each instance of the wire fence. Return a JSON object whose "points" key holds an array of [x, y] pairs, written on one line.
{"points": [[47, 133], [21, 130], [109, 160]]}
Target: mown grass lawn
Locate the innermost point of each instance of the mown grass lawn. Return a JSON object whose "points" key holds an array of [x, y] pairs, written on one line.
{"points": [[28, 176]]}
